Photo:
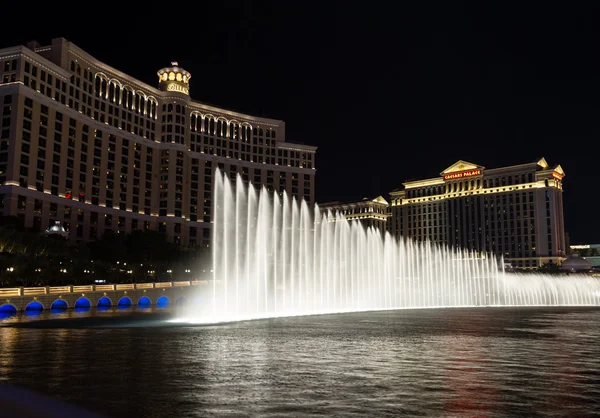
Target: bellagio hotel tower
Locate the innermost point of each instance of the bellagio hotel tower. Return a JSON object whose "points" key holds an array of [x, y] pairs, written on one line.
{"points": [[87, 145]]}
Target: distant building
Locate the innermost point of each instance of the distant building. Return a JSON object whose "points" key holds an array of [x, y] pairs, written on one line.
{"points": [[515, 212], [369, 212], [591, 252], [88, 145]]}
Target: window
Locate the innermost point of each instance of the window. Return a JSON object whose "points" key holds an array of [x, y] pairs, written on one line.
{"points": [[21, 202]]}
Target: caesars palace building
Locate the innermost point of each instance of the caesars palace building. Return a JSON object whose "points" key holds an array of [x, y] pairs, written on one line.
{"points": [[86, 145], [515, 211]]}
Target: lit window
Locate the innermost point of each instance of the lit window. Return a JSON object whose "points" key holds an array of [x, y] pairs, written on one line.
{"points": [[171, 76], [178, 76], [165, 76]]}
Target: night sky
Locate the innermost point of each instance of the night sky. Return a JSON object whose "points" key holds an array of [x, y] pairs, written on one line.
{"points": [[387, 95]]}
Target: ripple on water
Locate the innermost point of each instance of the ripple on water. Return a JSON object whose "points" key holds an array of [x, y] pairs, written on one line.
{"points": [[462, 362]]}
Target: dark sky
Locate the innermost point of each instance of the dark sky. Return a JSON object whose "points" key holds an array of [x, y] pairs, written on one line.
{"points": [[386, 94]]}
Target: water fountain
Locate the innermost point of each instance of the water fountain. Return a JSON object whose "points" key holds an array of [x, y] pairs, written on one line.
{"points": [[276, 256]]}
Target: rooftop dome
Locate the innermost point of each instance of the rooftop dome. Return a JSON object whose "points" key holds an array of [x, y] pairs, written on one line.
{"points": [[57, 229], [174, 79], [575, 262]]}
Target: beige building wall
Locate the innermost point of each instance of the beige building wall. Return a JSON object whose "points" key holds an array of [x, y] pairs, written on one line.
{"points": [[368, 212], [87, 145], [515, 212]]}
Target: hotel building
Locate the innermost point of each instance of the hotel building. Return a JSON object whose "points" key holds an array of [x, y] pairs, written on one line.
{"points": [[87, 145], [515, 212], [369, 212]]}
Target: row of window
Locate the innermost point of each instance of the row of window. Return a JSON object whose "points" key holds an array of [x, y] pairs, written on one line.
{"points": [[9, 68], [94, 221], [5, 121], [64, 170], [134, 112], [502, 223]]}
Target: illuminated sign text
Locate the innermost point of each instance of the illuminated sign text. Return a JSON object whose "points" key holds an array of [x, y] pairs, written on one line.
{"points": [[177, 87], [462, 174]]}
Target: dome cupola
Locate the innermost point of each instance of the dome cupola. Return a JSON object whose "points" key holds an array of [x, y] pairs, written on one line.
{"points": [[575, 263], [174, 78]]}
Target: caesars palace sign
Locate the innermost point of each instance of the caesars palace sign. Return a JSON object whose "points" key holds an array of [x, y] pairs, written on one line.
{"points": [[462, 174]]}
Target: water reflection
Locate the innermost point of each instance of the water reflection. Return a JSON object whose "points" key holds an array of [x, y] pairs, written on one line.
{"points": [[58, 312], [466, 374], [7, 314], [81, 310], [33, 312], [7, 350], [459, 362]]}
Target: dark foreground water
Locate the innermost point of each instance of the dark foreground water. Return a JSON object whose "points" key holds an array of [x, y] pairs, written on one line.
{"points": [[453, 362]]}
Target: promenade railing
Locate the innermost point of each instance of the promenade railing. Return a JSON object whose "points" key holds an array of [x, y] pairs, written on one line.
{"points": [[47, 290]]}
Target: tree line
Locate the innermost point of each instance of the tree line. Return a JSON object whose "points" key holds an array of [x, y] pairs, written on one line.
{"points": [[29, 258]]}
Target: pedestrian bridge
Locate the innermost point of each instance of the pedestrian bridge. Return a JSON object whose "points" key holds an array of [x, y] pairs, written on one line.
{"points": [[102, 296]]}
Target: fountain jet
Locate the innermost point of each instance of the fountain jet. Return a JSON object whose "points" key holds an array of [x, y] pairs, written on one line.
{"points": [[276, 256]]}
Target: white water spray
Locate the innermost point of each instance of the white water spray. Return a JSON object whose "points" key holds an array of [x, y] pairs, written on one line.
{"points": [[275, 256]]}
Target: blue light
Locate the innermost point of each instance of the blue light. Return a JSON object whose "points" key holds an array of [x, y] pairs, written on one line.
{"points": [[82, 304], [163, 302], [144, 302], [104, 302], [59, 305], [7, 310], [34, 307], [124, 302]]}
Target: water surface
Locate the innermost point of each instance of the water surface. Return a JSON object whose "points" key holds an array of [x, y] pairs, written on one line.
{"points": [[447, 362]]}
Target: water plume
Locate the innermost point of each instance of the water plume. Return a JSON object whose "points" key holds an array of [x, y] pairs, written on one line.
{"points": [[276, 256]]}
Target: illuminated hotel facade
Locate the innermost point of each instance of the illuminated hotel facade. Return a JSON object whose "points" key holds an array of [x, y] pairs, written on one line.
{"points": [[369, 212], [87, 145], [515, 212]]}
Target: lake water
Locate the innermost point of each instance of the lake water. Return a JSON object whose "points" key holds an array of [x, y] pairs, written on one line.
{"points": [[447, 362]]}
